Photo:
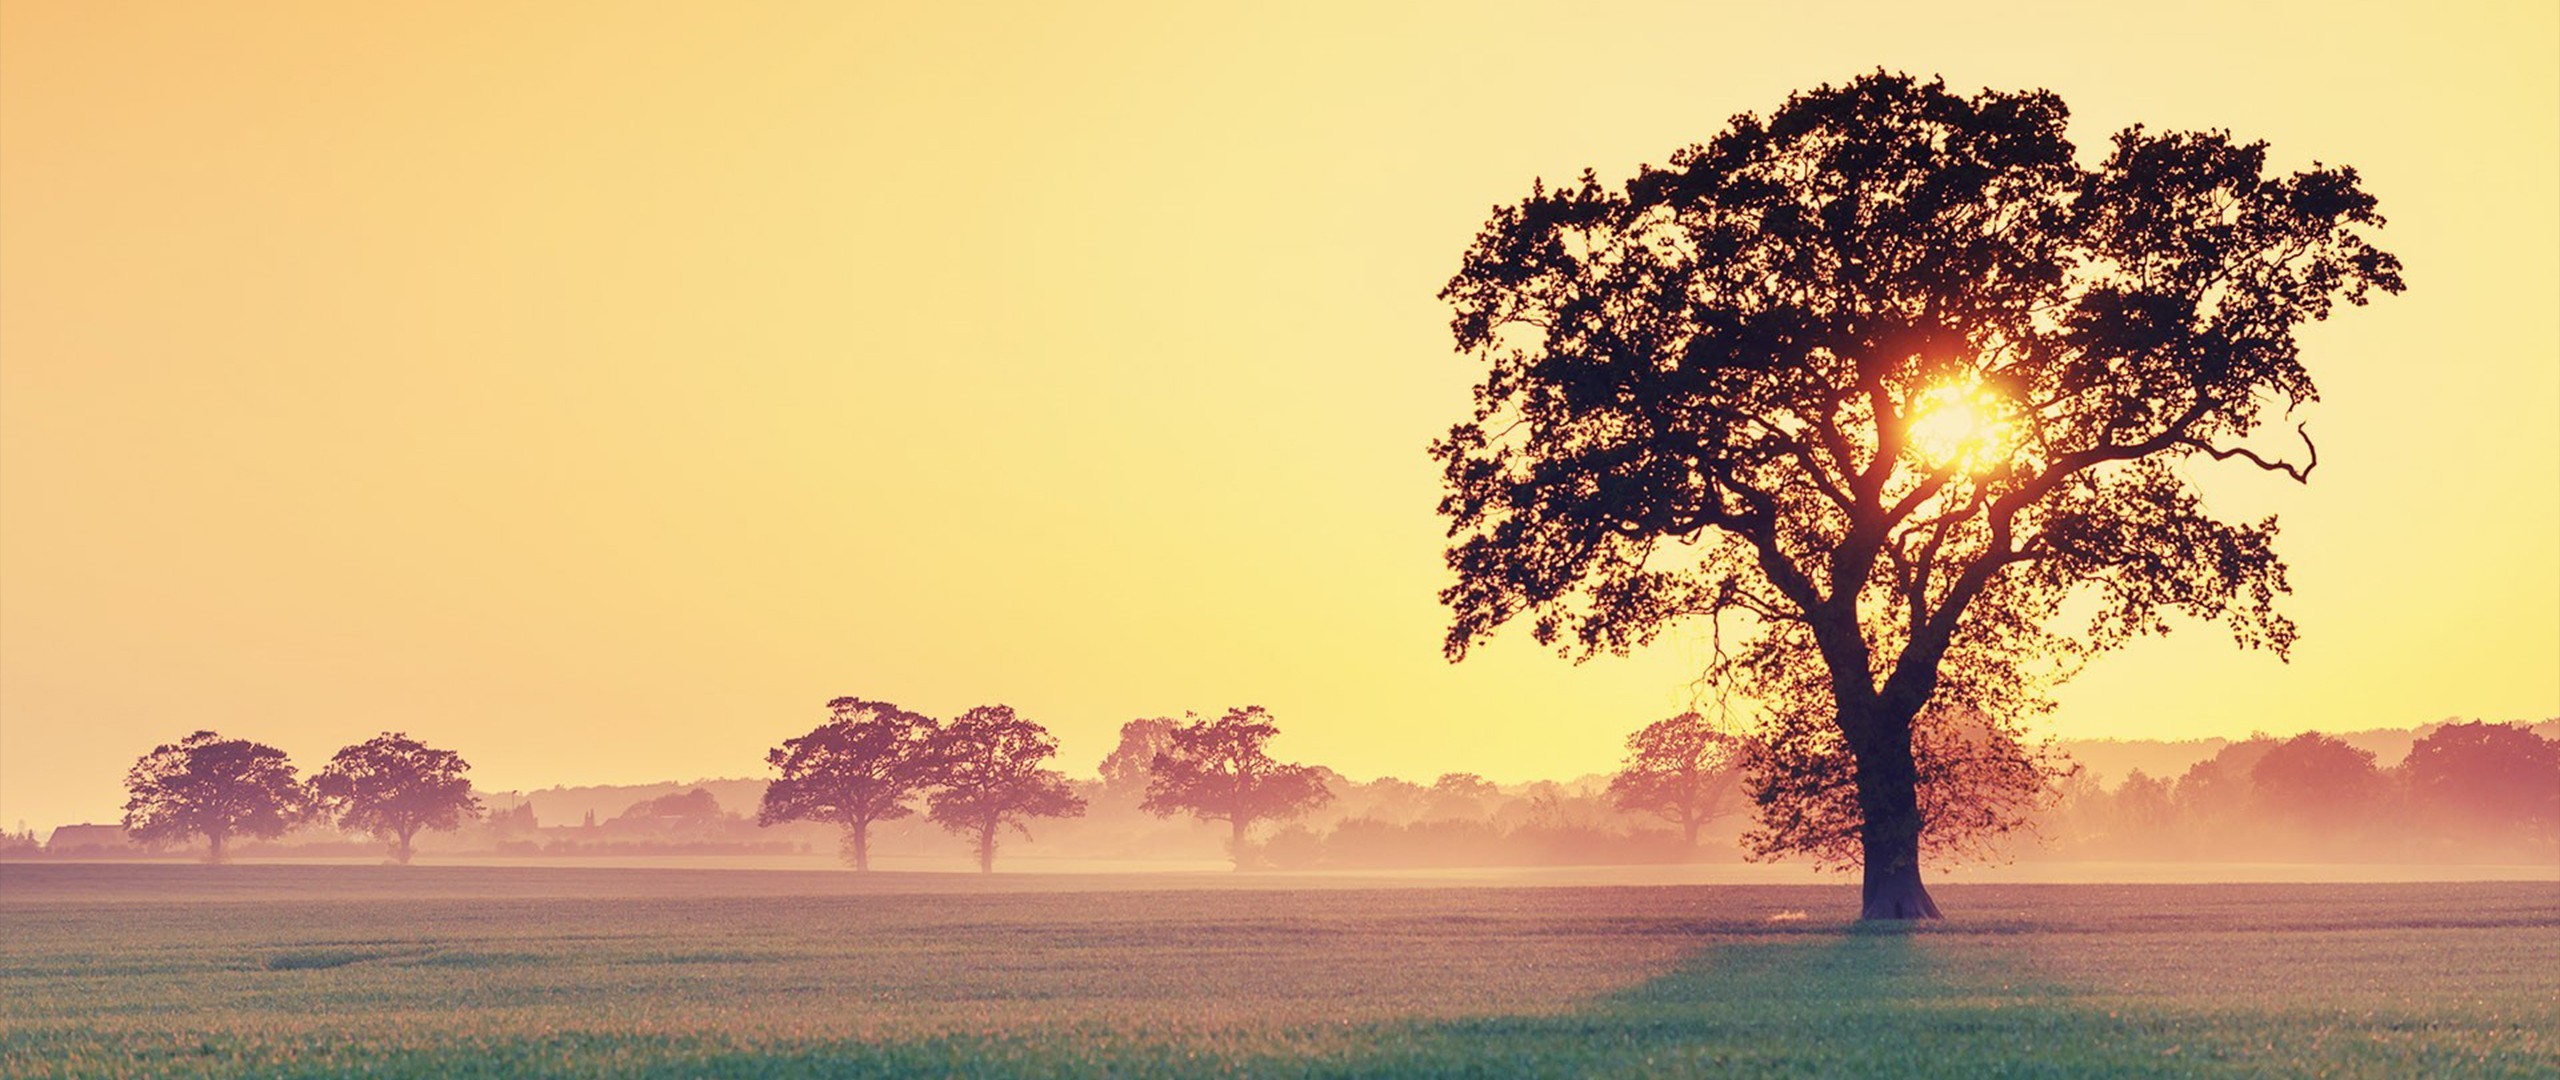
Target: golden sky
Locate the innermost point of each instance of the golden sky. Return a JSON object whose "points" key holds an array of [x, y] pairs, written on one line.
{"points": [[597, 389]]}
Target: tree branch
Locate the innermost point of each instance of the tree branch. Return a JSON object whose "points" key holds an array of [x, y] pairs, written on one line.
{"points": [[2301, 474]]}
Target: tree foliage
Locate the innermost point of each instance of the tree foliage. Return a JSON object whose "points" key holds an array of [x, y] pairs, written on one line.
{"points": [[860, 767], [1885, 379], [1459, 795], [695, 806], [1980, 783], [1218, 770], [2314, 778], [2488, 776], [217, 788], [988, 775], [393, 786], [1124, 770], [1680, 769]]}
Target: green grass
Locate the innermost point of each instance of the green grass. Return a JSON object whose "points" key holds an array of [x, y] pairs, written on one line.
{"points": [[304, 971]]}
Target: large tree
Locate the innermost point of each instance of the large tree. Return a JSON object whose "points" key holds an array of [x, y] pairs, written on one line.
{"points": [[1680, 769], [862, 766], [217, 788], [1883, 380], [989, 774], [393, 786], [1217, 770]]}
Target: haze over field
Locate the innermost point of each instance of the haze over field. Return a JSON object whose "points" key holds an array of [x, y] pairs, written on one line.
{"points": [[597, 393]]}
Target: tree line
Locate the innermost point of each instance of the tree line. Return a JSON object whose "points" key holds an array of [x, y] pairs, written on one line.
{"points": [[980, 775], [986, 774], [2464, 789]]}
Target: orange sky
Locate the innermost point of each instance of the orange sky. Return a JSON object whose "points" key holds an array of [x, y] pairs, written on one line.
{"points": [[597, 393]]}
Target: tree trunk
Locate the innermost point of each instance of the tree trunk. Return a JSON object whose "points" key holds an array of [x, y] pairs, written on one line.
{"points": [[1689, 831], [987, 848], [215, 853], [858, 834], [402, 854], [1889, 834], [1235, 843]]}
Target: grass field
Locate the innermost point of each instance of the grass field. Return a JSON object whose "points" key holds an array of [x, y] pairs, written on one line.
{"points": [[162, 970]]}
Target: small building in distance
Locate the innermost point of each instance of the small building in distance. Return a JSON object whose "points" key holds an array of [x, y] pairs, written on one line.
{"points": [[90, 840]]}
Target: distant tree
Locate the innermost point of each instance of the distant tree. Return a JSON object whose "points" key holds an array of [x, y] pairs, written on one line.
{"points": [[1217, 770], [988, 775], [1394, 800], [2318, 781], [2487, 777], [2142, 806], [1679, 769], [1980, 783], [2216, 796], [393, 786], [515, 821], [217, 788], [1902, 383], [1124, 770], [697, 806], [860, 767], [1460, 795]]}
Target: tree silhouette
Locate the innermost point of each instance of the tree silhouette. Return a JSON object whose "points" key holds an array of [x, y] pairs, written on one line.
{"points": [[1680, 769], [988, 775], [1977, 783], [1124, 770], [209, 786], [393, 786], [859, 767], [1217, 770], [2488, 777], [1459, 795], [2317, 781], [1886, 378]]}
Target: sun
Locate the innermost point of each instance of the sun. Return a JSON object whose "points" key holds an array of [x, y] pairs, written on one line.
{"points": [[1960, 424]]}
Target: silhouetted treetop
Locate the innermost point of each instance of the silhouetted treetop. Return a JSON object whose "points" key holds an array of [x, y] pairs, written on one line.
{"points": [[209, 786], [1124, 769], [860, 767], [1680, 769], [1888, 376], [989, 772], [1219, 770], [395, 786], [2315, 778], [2488, 775]]}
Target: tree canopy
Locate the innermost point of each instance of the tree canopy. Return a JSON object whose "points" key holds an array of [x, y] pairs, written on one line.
{"points": [[989, 774], [217, 788], [1124, 770], [1884, 380], [2314, 778], [861, 766], [393, 786], [1218, 770], [2482, 775], [1680, 769]]}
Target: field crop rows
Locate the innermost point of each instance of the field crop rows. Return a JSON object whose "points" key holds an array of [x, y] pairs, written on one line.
{"points": [[271, 971]]}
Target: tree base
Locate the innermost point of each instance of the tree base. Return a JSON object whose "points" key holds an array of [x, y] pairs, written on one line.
{"points": [[1897, 896]]}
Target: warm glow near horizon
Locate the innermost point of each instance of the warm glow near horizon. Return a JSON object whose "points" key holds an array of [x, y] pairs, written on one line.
{"points": [[596, 391]]}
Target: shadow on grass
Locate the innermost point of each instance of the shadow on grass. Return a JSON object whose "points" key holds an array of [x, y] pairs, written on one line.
{"points": [[1865, 1002]]}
